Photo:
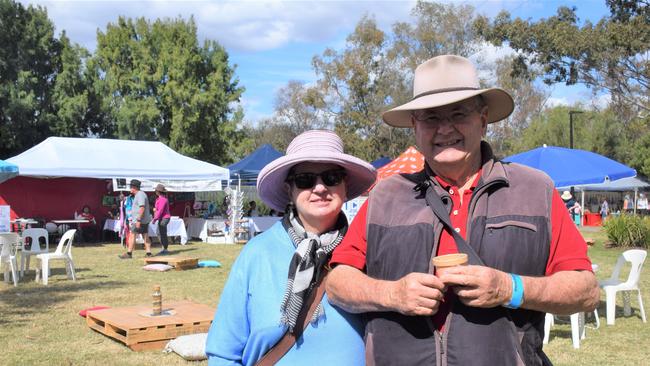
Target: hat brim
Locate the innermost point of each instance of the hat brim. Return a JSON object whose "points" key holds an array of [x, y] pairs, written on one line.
{"points": [[270, 182], [499, 102]]}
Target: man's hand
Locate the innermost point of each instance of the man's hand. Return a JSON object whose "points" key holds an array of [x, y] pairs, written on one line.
{"points": [[356, 292], [416, 294], [479, 286]]}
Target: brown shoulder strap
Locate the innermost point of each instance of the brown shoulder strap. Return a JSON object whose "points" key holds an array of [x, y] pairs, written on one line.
{"points": [[289, 339]]}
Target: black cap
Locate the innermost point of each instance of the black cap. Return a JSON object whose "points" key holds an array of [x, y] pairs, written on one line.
{"points": [[135, 183]]}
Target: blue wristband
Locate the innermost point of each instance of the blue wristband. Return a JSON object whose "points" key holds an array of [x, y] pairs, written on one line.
{"points": [[517, 292]]}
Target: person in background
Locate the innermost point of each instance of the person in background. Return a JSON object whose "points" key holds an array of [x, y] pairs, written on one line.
{"points": [[252, 209], [114, 212], [604, 209], [162, 217], [642, 204], [140, 219], [271, 281], [571, 204], [89, 229], [627, 205], [125, 208]]}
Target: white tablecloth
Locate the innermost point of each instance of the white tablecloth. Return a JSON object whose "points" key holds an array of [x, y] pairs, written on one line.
{"points": [[176, 227], [259, 224], [198, 227]]}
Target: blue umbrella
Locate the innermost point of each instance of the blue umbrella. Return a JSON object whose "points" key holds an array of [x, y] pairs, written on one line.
{"points": [[381, 162], [7, 170], [572, 167]]}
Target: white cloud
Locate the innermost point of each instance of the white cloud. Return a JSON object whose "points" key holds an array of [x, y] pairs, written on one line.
{"points": [[241, 25], [552, 102]]}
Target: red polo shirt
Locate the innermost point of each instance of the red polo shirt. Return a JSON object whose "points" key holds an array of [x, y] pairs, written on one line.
{"points": [[568, 248]]}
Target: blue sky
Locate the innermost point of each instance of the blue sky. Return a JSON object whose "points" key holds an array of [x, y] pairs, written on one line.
{"points": [[273, 42]]}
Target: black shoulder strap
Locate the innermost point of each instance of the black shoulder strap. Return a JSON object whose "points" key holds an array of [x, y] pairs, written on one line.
{"points": [[425, 187]]}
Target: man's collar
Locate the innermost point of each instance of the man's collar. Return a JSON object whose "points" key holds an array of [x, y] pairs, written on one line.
{"points": [[489, 171]]}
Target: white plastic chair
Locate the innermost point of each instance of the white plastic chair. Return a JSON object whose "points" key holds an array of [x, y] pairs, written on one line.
{"points": [[577, 327], [9, 243], [613, 285], [34, 236], [63, 252]]}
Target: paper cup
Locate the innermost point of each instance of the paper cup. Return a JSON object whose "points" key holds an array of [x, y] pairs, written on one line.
{"points": [[442, 262]]}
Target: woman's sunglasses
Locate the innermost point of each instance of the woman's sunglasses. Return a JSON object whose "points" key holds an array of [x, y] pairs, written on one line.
{"points": [[330, 178]]}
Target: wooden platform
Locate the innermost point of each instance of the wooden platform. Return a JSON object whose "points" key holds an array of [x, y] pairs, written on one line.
{"points": [[140, 333], [179, 263]]}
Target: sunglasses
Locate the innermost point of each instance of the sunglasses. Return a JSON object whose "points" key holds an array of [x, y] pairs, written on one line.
{"points": [[330, 178]]}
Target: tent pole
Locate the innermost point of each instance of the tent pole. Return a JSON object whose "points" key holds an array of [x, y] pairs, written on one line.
{"points": [[582, 208], [636, 191]]}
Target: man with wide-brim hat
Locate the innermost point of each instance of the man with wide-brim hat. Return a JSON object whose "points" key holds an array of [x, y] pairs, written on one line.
{"points": [[526, 257], [139, 222]]}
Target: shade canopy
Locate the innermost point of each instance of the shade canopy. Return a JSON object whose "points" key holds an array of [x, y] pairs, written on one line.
{"points": [[381, 162], [249, 167], [621, 185], [573, 167], [108, 158], [7, 170]]}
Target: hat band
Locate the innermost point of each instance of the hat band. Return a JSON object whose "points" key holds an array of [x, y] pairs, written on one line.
{"points": [[443, 90]]}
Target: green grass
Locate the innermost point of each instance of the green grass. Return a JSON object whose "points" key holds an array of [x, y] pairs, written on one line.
{"points": [[39, 325], [624, 343]]}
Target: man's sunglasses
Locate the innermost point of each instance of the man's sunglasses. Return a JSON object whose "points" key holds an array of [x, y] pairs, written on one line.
{"points": [[330, 178]]}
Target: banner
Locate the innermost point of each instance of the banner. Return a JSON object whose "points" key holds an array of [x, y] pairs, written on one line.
{"points": [[122, 184], [351, 207]]}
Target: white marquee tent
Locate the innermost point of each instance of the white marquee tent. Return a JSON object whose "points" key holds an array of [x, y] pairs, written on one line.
{"points": [[151, 162]]}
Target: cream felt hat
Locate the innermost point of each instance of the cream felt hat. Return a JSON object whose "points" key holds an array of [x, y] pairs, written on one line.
{"points": [[445, 80], [318, 146]]}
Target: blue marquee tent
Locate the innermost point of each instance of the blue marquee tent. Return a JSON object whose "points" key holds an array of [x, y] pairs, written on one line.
{"points": [[573, 167], [7, 170], [381, 162], [249, 167]]}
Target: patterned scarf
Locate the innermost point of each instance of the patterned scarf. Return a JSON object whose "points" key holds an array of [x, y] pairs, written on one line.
{"points": [[312, 253]]}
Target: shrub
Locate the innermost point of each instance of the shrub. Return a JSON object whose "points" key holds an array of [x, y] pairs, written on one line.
{"points": [[628, 231]]}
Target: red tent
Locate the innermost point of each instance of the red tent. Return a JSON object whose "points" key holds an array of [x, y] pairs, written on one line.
{"points": [[410, 161]]}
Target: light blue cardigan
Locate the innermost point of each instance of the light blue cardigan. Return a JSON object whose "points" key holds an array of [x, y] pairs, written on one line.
{"points": [[247, 322]]}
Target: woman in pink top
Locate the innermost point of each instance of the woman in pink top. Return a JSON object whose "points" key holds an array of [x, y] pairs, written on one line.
{"points": [[162, 216]]}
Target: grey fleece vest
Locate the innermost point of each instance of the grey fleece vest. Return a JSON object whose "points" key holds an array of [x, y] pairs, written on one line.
{"points": [[508, 226]]}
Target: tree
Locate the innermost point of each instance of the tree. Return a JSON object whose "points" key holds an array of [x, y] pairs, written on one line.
{"points": [[593, 130], [158, 83], [529, 100], [439, 29], [357, 85], [611, 55], [300, 107], [641, 155], [72, 94], [27, 72]]}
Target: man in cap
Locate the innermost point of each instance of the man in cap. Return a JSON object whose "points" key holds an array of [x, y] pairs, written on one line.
{"points": [[526, 257], [140, 219]]}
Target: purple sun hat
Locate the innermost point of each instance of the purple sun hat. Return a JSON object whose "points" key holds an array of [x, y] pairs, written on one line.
{"points": [[316, 146]]}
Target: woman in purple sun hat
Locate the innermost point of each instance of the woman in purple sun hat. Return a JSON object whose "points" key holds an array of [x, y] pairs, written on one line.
{"points": [[274, 291]]}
